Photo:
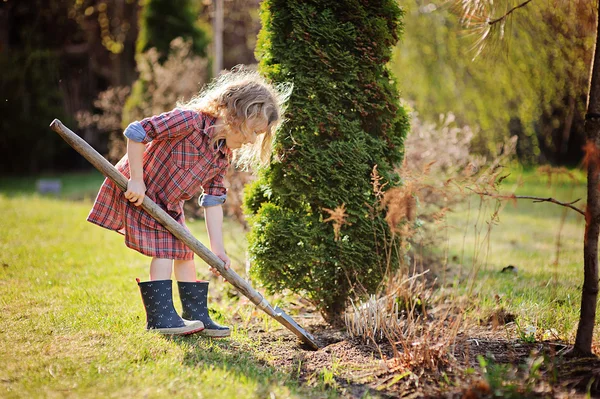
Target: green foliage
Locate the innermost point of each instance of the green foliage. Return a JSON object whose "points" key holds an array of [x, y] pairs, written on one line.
{"points": [[161, 21], [528, 81], [343, 118], [31, 100], [514, 382]]}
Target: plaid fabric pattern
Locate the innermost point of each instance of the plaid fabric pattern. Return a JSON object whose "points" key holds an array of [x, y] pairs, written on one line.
{"points": [[178, 162]]}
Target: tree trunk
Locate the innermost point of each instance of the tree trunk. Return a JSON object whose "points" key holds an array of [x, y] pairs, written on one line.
{"points": [[218, 37], [5, 26], [589, 295]]}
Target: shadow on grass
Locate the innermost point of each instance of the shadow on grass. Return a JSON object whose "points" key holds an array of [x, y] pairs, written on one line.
{"points": [[242, 361]]}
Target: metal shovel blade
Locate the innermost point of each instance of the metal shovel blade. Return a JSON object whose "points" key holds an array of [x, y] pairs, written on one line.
{"points": [[300, 332]]}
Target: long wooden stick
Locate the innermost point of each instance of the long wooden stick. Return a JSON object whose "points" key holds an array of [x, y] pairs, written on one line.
{"points": [[181, 233]]}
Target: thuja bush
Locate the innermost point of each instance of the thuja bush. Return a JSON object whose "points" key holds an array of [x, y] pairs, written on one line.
{"points": [[314, 230]]}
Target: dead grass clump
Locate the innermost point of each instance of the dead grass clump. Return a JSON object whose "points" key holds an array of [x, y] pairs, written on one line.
{"points": [[418, 323], [389, 315]]}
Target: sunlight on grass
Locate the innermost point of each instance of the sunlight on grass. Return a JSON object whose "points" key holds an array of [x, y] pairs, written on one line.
{"points": [[78, 185], [543, 241], [72, 322]]}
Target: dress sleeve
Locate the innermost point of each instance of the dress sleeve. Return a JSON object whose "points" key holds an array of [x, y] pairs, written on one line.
{"points": [[215, 192], [135, 132], [169, 125]]}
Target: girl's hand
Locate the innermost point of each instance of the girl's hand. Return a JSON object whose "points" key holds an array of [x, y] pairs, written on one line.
{"points": [[136, 191], [223, 256]]}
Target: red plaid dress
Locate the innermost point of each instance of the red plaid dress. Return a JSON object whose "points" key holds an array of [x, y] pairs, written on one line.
{"points": [[179, 161]]}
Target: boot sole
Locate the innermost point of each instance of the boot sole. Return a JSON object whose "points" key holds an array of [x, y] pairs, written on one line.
{"points": [[163, 332], [215, 333], [175, 331]]}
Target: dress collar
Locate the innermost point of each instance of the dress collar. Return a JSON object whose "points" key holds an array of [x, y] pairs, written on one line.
{"points": [[220, 145]]}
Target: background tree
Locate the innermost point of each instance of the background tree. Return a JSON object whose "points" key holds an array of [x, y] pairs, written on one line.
{"points": [[313, 226], [52, 63], [161, 22], [241, 24], [177, 77], [478, 17], [531, 85]]}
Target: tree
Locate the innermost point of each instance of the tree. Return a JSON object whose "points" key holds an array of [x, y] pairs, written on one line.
{"points": [[52, 64], [480, 19], [532, 84], [164, 20], [161, 22], [589, 293], [241, 24], [314, 228]]}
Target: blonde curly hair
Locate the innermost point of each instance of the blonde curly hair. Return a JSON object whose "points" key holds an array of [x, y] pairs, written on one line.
{"points": [[238, 96]]}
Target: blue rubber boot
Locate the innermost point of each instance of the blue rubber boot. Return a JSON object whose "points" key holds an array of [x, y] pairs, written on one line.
{"points": [[160, 313], [194, 302]]}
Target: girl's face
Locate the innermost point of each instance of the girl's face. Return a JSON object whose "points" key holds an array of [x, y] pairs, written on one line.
{"points": [[235, 138]]}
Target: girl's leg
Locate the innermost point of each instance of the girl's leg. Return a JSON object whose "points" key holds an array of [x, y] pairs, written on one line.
{"points": [[157, 296], [185, 270], [161, 269]]}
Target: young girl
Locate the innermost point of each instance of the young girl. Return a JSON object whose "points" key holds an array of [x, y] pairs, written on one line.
{"points": [[170, 158]]}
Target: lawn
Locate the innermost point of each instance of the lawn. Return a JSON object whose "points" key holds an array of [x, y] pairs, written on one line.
{"points": [[71, 318]]}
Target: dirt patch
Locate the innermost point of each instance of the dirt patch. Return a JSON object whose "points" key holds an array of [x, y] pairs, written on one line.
{"points": [[355, 367]]}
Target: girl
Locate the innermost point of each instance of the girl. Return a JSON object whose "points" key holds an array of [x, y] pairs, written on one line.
{"points": [[170, 158]]}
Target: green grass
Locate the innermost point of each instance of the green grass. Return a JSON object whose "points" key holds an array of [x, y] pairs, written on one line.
{"points": [[72, 321], [546, 249], [74, 185]]}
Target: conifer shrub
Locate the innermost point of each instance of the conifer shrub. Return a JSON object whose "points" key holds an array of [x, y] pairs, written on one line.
{"points": [[315, 229], [162, 22]]}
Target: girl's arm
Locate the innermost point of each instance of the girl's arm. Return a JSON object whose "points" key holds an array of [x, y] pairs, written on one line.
{"points": [[213, 215], [136, 189]]}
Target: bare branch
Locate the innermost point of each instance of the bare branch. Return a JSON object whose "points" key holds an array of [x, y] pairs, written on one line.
{"points": [[535, 199], [478, 17], [492, 22]]}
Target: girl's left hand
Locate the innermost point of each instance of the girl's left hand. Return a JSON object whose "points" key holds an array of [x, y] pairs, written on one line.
{"points": [[223, 256]]}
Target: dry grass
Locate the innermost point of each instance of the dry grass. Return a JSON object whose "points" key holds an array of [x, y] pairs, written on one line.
{"points": [[411, 312], [446, 301]]}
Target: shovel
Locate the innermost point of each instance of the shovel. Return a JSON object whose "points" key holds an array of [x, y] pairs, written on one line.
{"points": [[184, 235]]}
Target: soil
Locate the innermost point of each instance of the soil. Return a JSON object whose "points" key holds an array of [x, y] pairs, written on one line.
{"points": [[356, 367]]}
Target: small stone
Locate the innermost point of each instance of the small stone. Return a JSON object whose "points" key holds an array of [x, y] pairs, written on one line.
{"points": [[509, 269]]}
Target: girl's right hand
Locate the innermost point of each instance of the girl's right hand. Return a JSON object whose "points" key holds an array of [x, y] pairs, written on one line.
{"points": [[223, 256], [136, 191]]}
